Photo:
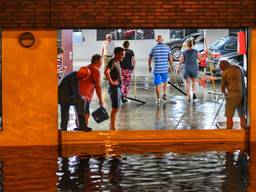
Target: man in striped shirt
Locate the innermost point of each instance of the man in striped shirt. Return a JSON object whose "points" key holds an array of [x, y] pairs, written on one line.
{"points": [[162, 57]]}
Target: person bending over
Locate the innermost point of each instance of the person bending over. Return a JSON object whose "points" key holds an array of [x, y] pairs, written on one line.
{"points": [[88, 86], [233, 86], [68, 94]]}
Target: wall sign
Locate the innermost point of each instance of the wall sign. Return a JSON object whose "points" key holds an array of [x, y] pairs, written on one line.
{"points": [[26, 39]]}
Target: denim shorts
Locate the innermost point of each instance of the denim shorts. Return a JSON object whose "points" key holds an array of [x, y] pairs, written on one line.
{"points": [[115, 96], [190, 73]]}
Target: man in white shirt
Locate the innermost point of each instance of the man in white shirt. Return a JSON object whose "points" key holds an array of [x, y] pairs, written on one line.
{"points": [[107, 49]]}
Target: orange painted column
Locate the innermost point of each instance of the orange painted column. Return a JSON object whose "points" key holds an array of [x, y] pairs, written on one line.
{"points": [[29, 82], [252, 108], [252, 84]]}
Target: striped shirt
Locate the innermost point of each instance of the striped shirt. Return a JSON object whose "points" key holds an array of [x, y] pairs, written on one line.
{"points": [[160, 54]]}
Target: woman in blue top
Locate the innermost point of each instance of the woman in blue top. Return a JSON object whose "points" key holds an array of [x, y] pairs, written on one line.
{"points": [[190, 67]]}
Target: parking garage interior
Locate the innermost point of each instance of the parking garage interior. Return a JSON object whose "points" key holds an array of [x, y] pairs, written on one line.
{"points": [[206, 112]]}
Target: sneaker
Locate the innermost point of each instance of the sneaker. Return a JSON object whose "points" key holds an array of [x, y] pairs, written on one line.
{"points": [[194, 96], [164, 97], [158, 101]]}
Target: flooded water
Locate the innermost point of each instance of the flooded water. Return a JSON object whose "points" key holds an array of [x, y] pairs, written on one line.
{"points": [[130, 168]]}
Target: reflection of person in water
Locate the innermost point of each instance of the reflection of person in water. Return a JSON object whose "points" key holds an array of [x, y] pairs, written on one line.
{"points": [[237, 169], [64, 174], [161, 122], [78, 174], [115, 174]]}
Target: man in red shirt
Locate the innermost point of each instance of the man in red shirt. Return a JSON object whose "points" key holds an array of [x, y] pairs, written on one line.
{"points": [[87, 86]]}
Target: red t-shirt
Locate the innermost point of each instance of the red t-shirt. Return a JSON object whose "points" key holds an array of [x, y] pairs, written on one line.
{"points": [[87, 86]]}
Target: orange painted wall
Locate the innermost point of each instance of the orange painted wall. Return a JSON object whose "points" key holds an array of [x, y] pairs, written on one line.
{"points": [[252, 85], [29, 90]]}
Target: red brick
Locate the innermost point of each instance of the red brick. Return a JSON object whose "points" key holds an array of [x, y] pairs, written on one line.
{"points": [[123, 13]]}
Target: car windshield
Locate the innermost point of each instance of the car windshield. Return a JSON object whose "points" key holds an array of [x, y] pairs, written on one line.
{"points": [[187, 37], [218, 43]]}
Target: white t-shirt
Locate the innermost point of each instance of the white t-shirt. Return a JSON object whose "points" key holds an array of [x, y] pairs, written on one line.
{"points": [[108, 48]]}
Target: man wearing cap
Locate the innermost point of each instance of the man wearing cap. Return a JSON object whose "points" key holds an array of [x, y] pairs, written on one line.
{"points": [[68, 94], [233, 86], [107, 49]]}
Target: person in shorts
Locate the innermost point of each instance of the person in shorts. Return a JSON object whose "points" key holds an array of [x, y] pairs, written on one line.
{"points": [[87, 86], [161, 54], [189, 59], [233, 86], [113, 75]]}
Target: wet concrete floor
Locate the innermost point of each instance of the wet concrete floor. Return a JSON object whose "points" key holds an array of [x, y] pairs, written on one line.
{"points": [[175, 114]]}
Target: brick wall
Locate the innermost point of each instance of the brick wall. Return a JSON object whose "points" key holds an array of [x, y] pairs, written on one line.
{"points": [[127, 13]]}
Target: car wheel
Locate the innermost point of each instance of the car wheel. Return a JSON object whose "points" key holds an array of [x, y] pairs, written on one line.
{"points": [[176, 53]]}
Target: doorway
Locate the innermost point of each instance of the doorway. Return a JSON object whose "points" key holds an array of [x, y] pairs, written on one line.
{"points": [[206, 113]]}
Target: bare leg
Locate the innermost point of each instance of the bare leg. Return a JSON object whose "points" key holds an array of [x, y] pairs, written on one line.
{"points": [[158, 91], [243, 122], [164, 88], [229, 122], [113, 118], [188, 87], [194, 85]]}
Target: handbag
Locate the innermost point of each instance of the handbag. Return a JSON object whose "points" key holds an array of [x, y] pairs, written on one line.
{"points": [[100, 114]]}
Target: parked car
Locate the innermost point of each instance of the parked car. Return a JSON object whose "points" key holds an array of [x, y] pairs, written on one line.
{"points": [[233, 58], [176, 45], [129, 34], [225, 47]]}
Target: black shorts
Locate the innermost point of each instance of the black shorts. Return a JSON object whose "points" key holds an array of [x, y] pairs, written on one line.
{"points": [[115, 96]]}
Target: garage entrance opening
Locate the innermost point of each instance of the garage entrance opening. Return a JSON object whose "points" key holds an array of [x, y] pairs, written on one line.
{"points": [[140, 109]]}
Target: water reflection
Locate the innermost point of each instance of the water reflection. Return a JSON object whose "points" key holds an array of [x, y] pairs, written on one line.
{"points": [[1, 176], [87, 173], [207, 171]]}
